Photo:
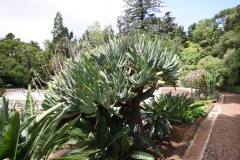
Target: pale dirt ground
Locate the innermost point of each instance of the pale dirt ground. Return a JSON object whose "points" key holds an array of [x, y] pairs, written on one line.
{"points": [[224, 139], [224, 142]]}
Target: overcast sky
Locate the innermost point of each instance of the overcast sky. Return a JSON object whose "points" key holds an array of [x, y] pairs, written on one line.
{"points": [[33, 19]]}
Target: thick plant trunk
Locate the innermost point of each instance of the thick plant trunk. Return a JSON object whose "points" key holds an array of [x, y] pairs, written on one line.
{"points": [[131, 113], [135, 120]]}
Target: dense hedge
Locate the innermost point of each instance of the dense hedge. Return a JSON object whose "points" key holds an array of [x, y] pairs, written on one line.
{"points": [[234, 89]]}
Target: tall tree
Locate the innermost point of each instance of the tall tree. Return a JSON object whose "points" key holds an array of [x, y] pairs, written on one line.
{"points": [[232, 18], [191, 28], [139, 15], [166, 23], [59, 30], [61, 37]]}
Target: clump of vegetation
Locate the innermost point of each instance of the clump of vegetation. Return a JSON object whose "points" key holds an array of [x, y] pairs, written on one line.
{"points": [[191, 115], [32, 136], [168, 108], [106, 85], [198, 80]]}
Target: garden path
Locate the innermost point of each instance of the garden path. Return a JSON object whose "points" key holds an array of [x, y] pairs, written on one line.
{"points": [[223, 140]]}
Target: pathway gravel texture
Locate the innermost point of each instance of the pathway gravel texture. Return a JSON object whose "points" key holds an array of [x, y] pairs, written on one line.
{"points": [[224, 142]]}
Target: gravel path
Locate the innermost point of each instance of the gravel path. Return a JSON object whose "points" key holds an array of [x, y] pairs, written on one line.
{"points": [[224, 142]]}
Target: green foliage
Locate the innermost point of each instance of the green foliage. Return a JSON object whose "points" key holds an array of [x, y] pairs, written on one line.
{"points": [[140, 16], [191, 115], [11, 72], [215, 65], [232, 18], [9, 47], [155, 114], [205, 33], [32, 137], [61, 38], [227, 41], [166, 108], [10, 36], [2, 90], [192, 54], [9, 141], [94, 36], [190, 57], [217, 37], [18, 60], [108, 141], [234, 89], [142, 155], [101, 85], [59, 30], [231, 61]]}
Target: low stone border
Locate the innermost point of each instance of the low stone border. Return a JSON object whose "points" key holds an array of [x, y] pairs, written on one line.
{"points": [[189, 137]]}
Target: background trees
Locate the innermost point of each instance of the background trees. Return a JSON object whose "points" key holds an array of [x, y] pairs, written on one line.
{"points": [[218, 40], [217, 37], [18, 59], [61, 37], [13, 73], [95, 36]]}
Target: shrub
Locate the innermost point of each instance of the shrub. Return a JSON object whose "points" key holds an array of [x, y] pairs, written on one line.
{"points": [[215, 65], [198, 79], [191, 115], [234, 89], [167, 108]]}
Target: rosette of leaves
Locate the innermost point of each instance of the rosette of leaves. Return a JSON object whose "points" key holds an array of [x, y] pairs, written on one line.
{"points": [[112, 75], [166, 108]]}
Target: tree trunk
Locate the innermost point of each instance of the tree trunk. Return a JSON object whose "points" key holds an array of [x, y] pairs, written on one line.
{"points": [[132, 114], [135, 120]]}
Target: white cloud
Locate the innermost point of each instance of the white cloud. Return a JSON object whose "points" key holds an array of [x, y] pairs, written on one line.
{"points": [[33, 20]]}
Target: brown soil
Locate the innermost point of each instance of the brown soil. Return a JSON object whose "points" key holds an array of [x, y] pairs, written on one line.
{"points": [[174, 146]]}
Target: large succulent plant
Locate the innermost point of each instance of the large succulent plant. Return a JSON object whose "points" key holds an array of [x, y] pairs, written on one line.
{"points": [[113, 79], [113, 74]]}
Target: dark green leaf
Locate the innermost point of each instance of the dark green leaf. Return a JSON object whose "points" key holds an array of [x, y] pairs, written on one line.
{"points": [[151, 144], [10, 140], [142, 155]]}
